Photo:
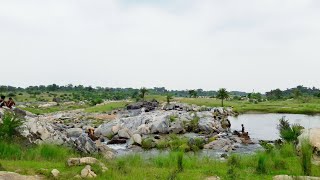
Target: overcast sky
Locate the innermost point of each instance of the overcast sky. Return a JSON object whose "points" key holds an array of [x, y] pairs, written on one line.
{"points": [[178, 44]]}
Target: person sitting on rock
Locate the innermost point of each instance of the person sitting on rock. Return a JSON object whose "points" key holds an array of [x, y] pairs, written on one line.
{"points": [[10, 104], [91, 134], [2, 101]]}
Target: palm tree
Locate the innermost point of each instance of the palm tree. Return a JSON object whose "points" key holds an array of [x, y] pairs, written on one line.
{"points": [[143, 92], [222, 94], [169, 98]]}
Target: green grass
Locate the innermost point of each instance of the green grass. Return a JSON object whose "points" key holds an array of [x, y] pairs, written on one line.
{"points": [[295, 106], [42, 159], [53, 109], [107, 107]]}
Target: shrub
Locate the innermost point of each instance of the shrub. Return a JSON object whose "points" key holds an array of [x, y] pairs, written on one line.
{"points": [[287, 150], [306, 155], [262, 164], [9, 125], [180, 161], [147, 143], [267, 147], [233, 162], [289, 133], [10, 151], [96, 101], [11, 94]]}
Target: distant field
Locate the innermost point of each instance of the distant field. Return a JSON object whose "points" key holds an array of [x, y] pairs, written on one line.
{"points": [[311, 106]]}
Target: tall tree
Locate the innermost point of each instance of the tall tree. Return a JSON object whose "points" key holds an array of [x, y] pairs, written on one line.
{"points": [[193, 93], [143, 92], [222, 94]]}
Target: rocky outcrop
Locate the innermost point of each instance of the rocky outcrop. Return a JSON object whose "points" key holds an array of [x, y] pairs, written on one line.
{"points": [[146, 105]]}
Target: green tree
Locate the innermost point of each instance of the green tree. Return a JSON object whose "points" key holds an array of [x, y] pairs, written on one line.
{"points": [[193, 93], [169, 98], [143, 92], [296, 93], [222, 94]]}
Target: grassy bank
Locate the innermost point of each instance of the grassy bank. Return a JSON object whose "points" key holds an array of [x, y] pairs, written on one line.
{"points": [[107, 107], [296, 106], [52, 109], [175, 165]]}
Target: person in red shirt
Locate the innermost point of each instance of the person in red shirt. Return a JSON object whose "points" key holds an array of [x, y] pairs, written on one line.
{"points": [[10, 103]]}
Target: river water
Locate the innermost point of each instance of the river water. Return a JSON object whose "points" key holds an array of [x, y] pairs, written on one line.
{"points": [[259, 126], [264, 126]]}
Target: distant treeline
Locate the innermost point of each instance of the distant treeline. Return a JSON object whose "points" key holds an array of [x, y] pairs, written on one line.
{"points": [[296, 92], [81, 92], [110, 93]]}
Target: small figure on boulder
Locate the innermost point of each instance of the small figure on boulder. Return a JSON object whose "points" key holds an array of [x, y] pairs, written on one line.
{"points": [[242, 129], [91, 134]]}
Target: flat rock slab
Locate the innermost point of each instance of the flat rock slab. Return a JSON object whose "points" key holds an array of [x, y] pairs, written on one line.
{"points": [[4, 175], [286, 177]]}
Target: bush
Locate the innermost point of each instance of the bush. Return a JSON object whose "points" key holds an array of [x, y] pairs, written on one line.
{"points": [[9, 125], [287, 150], [10, 151], [262, 164], [233, 163], [289, 133], [147, 143]]}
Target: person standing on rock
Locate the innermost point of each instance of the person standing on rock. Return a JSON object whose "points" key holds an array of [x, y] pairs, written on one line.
{"points": [[242, 129], [2, 101]]}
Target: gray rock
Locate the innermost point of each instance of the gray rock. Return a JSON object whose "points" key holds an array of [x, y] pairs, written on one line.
{"points": [[124, 133], [160, 125], [55, 173], [84, 144], [87, 172], [136, 139], [74, 132], [176, 127], [220, 144]]}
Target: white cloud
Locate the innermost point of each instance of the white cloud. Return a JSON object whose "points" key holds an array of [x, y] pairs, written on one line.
{"points": [[240, 45]]}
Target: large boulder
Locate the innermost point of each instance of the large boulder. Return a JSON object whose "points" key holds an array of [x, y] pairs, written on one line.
{"points": [[136, 139], [313, 135], [105, 130], [124, 133], [206, 125], [84, 144], [160, 125], [176, 127]]}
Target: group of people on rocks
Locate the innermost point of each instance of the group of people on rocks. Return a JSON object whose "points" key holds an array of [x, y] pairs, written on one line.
{"points": [[9, 104]]}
